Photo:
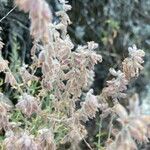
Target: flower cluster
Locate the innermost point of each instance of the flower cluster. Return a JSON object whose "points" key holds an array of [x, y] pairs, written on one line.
{"points": [[133, 64], [46, 139], [89, 107], [40, 15], [116, 86], [4, 116], [9, 78], [28, 105], [24, 141], [135, 126], [21, 141]]}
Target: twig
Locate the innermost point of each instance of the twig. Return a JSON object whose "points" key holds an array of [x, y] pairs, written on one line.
{"points": [[87, 144], [100, 127], [8, 13], [110, 126]]}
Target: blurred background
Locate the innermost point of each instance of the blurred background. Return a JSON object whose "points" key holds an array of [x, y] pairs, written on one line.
{"points": [[113, 24]]}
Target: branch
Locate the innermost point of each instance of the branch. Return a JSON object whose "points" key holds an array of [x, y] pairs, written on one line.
{"points": [[8, 13]]}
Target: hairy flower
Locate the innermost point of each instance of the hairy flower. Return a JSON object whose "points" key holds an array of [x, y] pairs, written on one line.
{"points": [[46, 139], [89, 107], [64, 18], [26, 76], [123, 141], [9, 78], [66, 6], [10, 140], [25, 142], [4, 99], [20, 141], [40, 15], [3, 64], [116, 86], [4, 116], [28, 105], [138, 130], [132, 64], [133, 123], [76, 134], [87, 56], [82, 64]]}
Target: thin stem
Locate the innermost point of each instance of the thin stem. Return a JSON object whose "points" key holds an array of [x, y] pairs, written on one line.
{"points": [[100, 127], [87, 144], [110, 126], [8, 13]]}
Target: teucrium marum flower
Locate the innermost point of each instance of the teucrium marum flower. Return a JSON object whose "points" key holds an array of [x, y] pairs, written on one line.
{"points": [[3, 64], [20, 141], [46, 139], [133, 122], [89, 107], [9, 78], [4, 115], [133, 64], [116, 87], [26, 76], [28, 105], [40, 15]]}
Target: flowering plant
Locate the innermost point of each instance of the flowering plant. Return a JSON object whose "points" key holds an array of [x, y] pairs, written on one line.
{"points": [[48, 117]]}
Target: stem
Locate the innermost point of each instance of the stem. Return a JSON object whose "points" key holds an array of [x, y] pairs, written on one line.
{"points": [[7, 14], [110, 126], [100, 127]]}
